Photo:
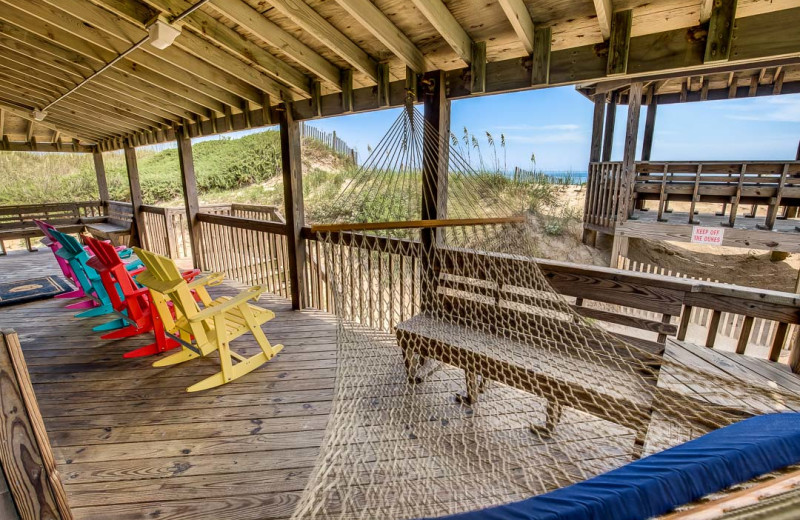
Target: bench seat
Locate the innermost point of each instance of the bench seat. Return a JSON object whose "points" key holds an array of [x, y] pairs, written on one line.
{"points": [[577, 380], [108, 229]]}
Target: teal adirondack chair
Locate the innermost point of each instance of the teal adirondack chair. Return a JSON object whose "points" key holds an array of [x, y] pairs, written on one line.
{"points": [[88, 279]]}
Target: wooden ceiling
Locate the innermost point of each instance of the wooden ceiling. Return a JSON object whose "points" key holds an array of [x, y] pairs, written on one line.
{"points": [[236, 60]]}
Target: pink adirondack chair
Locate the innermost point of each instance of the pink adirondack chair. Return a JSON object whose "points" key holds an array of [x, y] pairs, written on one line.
{"points": [[54, 246]]}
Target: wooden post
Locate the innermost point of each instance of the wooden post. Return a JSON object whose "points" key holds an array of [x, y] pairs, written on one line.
{"points": [[190, 202], [100, 172], [597, 130], [629, 152], [435, 149], [608, 134], [590, 236], [649, 127], [293, 202], [138, 230], [26, 456]]}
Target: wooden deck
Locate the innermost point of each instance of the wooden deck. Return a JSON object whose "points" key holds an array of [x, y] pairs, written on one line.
{"points": [[132, 444], [745, 233]]}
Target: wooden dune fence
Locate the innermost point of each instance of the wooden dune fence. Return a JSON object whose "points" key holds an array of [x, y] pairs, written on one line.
{"points": [[329, 139]]}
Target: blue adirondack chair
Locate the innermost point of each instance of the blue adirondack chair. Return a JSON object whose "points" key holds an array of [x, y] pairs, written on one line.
{"points": [[89, 279]]}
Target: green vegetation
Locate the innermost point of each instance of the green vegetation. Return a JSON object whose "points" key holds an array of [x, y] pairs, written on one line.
{"points": [[225, 164], [247, 170]]}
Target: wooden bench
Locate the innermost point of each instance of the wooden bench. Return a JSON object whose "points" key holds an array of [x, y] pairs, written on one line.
{"points": [[114, 226], [16, 222], [495, 332]]}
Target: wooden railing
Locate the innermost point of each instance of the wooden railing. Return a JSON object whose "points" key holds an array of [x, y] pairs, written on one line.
{"points": [[167, 233], [391, 266], [250, 251], [385, 288], [603, 186], [769, 183]]}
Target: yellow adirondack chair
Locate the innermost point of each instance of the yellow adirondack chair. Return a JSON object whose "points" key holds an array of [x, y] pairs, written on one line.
{"points": [[212, 328]]}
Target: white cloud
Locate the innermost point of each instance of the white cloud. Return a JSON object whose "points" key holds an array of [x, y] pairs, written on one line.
{"points": [[553, 137], [538, 128], [783, 109]]}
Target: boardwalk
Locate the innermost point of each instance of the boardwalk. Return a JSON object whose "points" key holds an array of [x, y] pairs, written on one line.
{"points": [[132, 444]]}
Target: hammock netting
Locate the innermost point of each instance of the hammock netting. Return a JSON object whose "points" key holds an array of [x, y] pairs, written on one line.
{"points": [[463, 379]]}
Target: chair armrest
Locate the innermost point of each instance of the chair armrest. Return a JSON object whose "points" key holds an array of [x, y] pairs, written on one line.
{"points": [[211, 279], [137, 270], [136, 264], [190, 275], [140, 291], [249, 294]]}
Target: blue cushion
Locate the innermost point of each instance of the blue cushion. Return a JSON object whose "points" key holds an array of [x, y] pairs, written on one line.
{"points": [[657, 484]]}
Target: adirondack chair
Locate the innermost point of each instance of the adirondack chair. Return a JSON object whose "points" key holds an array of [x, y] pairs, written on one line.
{"points": [[88, 279], [50, 241], [136, 302], [202, 331]]}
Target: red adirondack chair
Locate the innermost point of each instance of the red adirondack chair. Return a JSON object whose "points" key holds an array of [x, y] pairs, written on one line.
{"points": [[126, 296]]}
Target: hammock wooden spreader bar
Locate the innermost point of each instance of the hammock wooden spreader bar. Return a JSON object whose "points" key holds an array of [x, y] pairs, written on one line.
{"points": [[412, 224]]}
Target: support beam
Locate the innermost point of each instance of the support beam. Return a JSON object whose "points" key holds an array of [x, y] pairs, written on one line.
{"points": [[435, 148], [478, 67], [520, 19], [604, 12], [446, 24], [540, 63], [293, 203], [597, 129], [100, 172], [649, 128], [189, 182], [619, 43], [720, 31], [137, 233], [379, 25], [629, 153], [608, 134]]}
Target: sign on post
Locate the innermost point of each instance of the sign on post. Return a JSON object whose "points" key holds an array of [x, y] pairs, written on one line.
{"points": [[707, 235]]}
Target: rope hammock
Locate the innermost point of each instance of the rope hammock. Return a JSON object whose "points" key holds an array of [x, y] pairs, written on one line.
{"points": [[464, 380]]}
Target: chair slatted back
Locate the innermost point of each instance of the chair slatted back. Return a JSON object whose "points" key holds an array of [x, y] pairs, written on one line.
{"points": [[72, 251], [162, 275], [107, 262]]}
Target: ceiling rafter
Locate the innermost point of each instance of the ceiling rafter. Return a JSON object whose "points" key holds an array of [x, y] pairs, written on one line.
{"points": [[57, 29], [197, 44], [131, 89], [11, 109], [447, 26], [196, 72], [267, 31], [75, 102], [317, 26], [45, 77], [604, 10], [520, 19], [379, 25]]}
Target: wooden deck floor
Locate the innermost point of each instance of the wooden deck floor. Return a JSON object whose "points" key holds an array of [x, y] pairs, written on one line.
{"points": [[132, 444]]}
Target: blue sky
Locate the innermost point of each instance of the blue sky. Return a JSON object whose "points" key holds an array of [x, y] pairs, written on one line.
{"points": [[555, 125]]}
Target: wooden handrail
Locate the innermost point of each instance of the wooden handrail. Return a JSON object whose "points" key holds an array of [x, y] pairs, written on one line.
{"points": [[244, 223]]}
